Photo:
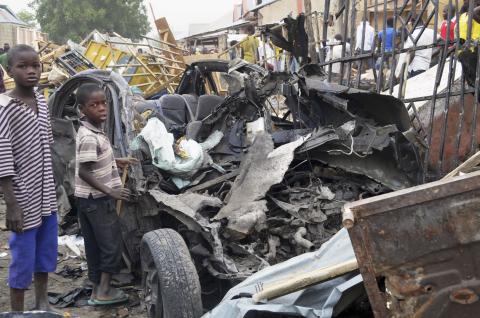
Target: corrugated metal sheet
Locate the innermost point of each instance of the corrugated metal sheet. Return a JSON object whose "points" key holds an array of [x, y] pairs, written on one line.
{"points": [[7, 16]]}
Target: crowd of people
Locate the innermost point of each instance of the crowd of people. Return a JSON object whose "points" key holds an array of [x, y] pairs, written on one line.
{"points": [[378, 46]]}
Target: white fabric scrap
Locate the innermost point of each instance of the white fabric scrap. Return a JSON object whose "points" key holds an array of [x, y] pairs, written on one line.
{"points": [[161, 145]]}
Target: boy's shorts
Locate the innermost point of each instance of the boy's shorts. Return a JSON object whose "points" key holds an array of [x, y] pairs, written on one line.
{"points": [[33, 251], [101, 231]]}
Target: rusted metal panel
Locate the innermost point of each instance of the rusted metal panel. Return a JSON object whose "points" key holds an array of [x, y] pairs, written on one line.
{"points": [[418, 249]]}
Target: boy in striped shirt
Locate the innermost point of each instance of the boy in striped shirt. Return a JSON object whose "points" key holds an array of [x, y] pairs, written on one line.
{"points": [[97, 185], [26, 179]]}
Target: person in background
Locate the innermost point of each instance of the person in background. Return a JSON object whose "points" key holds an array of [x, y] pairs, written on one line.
{"points": [[233, 53], [389, 36], [468, 56], [368, 41], [2, 83], [420, 59], [335, 52], [3, 55], [26, 179], [452, 22], [249, 46], [389, 39]]}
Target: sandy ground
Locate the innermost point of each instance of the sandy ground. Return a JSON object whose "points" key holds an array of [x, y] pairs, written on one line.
{"points": [[61, 285]]}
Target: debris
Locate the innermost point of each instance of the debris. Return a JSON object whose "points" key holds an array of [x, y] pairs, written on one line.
{"points": [[74, 243], [262, 167], [301, 281], [467, 166], [33, 314], [317, 300], [69, 298], [416, 271], [70, 272]]}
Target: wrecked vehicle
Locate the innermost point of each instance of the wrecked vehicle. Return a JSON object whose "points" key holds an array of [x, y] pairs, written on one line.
{"points": [[230, 185]]}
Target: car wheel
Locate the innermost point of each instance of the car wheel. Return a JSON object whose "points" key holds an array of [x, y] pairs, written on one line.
{"points": [[170, 280]]}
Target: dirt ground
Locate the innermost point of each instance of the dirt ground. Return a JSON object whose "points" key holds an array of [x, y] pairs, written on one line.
{"points": [[62, 285]]}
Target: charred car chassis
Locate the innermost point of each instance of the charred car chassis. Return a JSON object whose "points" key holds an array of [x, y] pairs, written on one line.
{"points": [[281, 155]]}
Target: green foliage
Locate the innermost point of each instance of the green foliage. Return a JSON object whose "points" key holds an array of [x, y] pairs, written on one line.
{"points": [[27, 17], [73, 19]]}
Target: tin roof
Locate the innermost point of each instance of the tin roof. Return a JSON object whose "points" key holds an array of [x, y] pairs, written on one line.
{"points": [[8, 16]]}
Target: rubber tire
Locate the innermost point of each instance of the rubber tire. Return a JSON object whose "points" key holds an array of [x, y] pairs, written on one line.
{"points": [[179, 285]]}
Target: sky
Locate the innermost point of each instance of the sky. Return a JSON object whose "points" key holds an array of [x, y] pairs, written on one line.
{"points": [[179, 13]]}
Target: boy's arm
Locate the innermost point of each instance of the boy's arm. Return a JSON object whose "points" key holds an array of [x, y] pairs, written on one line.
{"points": [[14, 217], [85, 173]]}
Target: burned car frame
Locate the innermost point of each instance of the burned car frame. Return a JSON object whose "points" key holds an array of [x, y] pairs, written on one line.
{"points": [[267, 183]]}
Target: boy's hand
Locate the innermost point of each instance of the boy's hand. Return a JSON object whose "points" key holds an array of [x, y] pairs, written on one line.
{"points": [[123, 163], [119, 194], [14, 218]]}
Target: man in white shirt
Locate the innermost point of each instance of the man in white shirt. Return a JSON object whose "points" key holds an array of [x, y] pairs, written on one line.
{"points": [[335, 52], [421, 58], [368, 41]]}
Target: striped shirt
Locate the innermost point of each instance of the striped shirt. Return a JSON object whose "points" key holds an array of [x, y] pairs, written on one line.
{"points": [[25, 139], [94, 146]]}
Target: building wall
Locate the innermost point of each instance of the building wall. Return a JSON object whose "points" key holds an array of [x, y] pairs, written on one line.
{"points": [[14, 34], [8, 34], [277, 11]]}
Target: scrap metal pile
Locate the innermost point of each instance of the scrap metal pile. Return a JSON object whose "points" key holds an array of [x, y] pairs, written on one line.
{"points": [[250, 179], [150, 66], [252, 183]]}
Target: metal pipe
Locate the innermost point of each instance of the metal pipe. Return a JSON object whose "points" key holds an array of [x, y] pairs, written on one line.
{"points": [[352, 30], [451, 72], [326, 16], [382, 57], [432, 116], [345, 30], [393, 64], [474, 145], [439, 95], [360, 65]]}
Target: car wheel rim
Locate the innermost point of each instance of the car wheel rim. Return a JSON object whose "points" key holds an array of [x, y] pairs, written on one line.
{"points": [[151, 286]]}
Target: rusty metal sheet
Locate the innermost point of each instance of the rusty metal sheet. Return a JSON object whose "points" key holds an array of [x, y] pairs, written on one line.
{"points": [[418, 249]]}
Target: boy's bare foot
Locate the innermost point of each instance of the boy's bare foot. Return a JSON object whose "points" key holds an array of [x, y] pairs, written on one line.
{"points": [[110, 294], [94, 292]]}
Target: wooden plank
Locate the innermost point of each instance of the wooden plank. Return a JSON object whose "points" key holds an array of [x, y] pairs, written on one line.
{"points": [[467, 166], [304, 280]]}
